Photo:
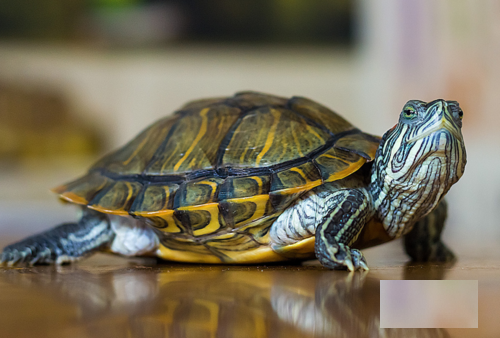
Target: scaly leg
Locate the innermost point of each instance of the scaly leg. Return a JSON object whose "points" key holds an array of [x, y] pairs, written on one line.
{"points": [[340, 228], [423, 243], [64, 243]]}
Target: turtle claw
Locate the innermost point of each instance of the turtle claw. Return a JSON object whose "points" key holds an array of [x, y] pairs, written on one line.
{"points": [[34, 261], [356, 261], [12, 256], [4, 259], [23, 254], [339, 256], [359, 260], [349, 265]]}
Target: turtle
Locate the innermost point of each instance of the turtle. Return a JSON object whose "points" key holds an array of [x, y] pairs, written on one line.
{"points": [[257, 178]]}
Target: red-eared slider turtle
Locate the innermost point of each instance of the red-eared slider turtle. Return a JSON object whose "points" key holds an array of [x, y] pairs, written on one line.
{"points": [[258, 178]]}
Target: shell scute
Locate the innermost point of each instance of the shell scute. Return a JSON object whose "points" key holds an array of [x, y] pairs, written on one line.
{"points": [[362, 144], [239, 211], [336, 164], [192, 142], [202, 220], [166, 222], [116, 199], [300, 178], [82, 190], [268, 136], [154, 198], [239, 187], [201, 191]]}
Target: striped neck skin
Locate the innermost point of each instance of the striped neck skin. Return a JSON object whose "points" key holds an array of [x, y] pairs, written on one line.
{"points": [[416, 163]]}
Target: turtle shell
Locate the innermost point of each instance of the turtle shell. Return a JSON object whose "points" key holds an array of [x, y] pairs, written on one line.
{"points": [[215, 175]]}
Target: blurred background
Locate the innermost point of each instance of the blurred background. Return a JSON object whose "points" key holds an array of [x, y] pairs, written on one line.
{"points": [[79, 78]]}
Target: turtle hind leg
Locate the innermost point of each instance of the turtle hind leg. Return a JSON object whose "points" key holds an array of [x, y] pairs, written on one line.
{"points": [[63, 244], [339, 228], [423, 243]]}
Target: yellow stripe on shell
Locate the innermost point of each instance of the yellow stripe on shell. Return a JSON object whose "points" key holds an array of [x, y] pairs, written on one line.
{"points": [[118, 212], [212, 184], [130, 191], [159, 213], [305, 187], [270, 136], [73, 198], [242, 157], [201, 133], [259, 183], [297, 142], [300, 172], [347, 171], [312, 131]]}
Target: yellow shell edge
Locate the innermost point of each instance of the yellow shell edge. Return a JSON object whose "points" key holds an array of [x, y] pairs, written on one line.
{"points": [[261, 254]]}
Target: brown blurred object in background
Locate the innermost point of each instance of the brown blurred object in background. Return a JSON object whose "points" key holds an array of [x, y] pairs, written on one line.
{"points": [[38, 123]]}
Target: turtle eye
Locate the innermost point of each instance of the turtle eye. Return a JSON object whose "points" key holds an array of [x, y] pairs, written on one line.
{"points": [[460, 114], [409, 113]]}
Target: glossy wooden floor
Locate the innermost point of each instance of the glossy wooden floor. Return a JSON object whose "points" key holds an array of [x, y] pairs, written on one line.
{"points": [[107, 296]]}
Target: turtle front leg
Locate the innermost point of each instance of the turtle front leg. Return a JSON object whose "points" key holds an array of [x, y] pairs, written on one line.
{"points": [[340, 228], [65, 243], [423, 243]]}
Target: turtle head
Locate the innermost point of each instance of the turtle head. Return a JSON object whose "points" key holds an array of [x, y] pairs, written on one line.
{"points": [[422, 156], [427, 137]]}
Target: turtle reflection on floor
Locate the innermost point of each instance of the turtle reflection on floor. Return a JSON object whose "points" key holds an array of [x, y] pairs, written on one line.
{"points": [[190, 301], [258, 178]]}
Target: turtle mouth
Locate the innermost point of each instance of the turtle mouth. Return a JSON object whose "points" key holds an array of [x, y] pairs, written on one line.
{"points": [[443, 125]]}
